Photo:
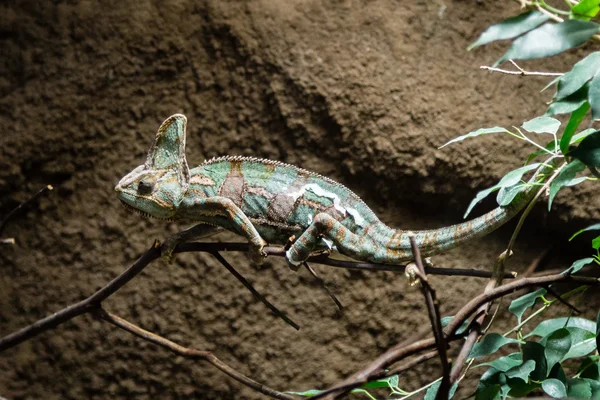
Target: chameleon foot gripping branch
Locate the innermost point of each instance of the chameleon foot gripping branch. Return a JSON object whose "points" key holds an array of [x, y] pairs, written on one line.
{"points": [[269, 201]]}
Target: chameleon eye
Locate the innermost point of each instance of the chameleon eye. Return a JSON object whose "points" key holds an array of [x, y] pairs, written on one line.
{"points": [[145, 187]]}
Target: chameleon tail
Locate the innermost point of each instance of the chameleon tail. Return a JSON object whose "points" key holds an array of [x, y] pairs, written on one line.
{"points": [[435, 241]]}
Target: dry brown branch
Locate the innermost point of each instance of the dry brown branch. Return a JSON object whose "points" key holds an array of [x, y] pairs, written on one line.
{"points": [[433, 310], [189, 353]]}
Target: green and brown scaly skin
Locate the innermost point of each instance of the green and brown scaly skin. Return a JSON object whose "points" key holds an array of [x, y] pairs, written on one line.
{"points": [[269, 202]]}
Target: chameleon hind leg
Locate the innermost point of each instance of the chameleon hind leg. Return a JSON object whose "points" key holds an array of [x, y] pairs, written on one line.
{"points": [[324, 225], [222, 211]]}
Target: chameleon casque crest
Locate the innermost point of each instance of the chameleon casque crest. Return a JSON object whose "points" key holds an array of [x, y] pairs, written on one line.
{"points": [[269, 202]]}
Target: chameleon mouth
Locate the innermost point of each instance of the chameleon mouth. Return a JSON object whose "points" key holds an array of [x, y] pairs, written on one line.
{"points": [[144, 214], [130, 208]]}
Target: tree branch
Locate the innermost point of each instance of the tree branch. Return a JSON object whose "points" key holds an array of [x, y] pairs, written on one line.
{"points": [[435, 320], [189, 353]]}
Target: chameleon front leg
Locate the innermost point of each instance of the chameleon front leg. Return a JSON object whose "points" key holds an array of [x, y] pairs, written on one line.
{"points": [[222, 211], [324, 225], [195, 232]]}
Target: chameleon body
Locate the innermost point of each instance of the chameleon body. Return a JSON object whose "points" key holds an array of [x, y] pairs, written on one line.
{"points": [[270, 202]]}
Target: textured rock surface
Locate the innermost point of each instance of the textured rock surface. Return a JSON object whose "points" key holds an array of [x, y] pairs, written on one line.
{"points": [[363, 92]]}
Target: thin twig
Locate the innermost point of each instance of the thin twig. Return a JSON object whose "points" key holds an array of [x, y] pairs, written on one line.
{"points": [[561, 300], [22, 205], [189, 353], [254, 292], [520, 72], [324, 286], [435, 320]]}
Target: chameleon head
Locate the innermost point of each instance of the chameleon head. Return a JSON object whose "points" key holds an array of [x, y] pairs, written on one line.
{"points": [[157, 187]]}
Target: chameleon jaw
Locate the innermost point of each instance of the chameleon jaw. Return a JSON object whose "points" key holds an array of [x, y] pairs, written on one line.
{"points": [[142, 213]]}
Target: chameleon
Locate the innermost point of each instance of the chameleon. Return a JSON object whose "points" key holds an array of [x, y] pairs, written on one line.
{"points": [[271, 202]]}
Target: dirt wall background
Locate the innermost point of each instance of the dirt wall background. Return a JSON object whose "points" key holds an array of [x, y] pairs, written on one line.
{"points": [[361, 91]]}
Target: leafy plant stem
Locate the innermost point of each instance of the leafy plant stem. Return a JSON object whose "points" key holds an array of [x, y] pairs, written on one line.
{"points": [[552, 9], [526, 320], [534, 143], [547, 304]]}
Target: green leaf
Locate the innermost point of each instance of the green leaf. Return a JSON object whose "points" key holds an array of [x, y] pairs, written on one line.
{"points": [[518, 388], [510, 28], [433, 389], [598, 331], [535, 351], [577, 265], [506, 195], [557, 346], [576, 181], [558, 373], [550, 39], [490, 344], [565, 176], [588, 151], [554, 388], [569, 103], [521, 371], [392, 381], [542, 124], [307, 393], [550, 325], [579, 389], [478, 132], [582, 135], [576, 117], [581, 72], [590, 368], [446, 320], [512, 178], [492, 375], [595, 227], [596, 243], [594, 96], [519, 305], [487, 392], [595, 385], [480, 196], [582, 343], [504, 363], [585, 9]]}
